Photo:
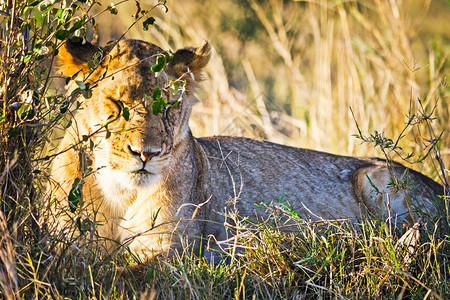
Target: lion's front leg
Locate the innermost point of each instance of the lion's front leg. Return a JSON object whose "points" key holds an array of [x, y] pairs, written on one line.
{"points": [[151, 225], [147, 230], [146, 241]]}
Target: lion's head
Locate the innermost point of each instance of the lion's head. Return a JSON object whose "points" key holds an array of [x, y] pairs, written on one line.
{"points": [[132, 141]]}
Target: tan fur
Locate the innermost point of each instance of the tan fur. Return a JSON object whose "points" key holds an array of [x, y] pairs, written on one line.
{"points": [[188, 184], [74, 60]]}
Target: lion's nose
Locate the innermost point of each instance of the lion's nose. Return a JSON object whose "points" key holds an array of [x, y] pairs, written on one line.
{"points": [[144, 155], [147, 155]]}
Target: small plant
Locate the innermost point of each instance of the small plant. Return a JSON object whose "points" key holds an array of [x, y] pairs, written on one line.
{"points": [[429, 143]]}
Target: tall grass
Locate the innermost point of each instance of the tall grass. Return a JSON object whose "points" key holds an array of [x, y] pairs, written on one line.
{"points": [[286, 71], [289, 71]]}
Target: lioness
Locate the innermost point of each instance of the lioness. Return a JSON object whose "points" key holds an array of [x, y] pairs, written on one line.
{"points": [[152, 183]]}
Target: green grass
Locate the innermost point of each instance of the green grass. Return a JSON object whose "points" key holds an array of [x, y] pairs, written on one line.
{"points": [[331, 259]]}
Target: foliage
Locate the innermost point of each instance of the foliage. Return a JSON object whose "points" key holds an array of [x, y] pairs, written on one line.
{"points": [[31, 34]]}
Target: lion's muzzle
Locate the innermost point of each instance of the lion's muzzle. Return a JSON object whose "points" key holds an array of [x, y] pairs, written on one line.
{"points": [[144, 155]]}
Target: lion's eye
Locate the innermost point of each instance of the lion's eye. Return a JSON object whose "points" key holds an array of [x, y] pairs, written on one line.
{"points": [[119, 106]]}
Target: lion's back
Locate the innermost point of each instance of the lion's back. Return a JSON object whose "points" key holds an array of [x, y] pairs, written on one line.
{"points": [[255, 171]]}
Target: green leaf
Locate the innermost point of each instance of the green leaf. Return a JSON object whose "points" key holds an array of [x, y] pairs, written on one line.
{"points": [[149, 21], [159, 103], [373, 184], [169, 57], [91, 66], [31, 113], [62, 34], [175, 87], [22, 110], [126, 113], [156, 94], [155, 108], [158, 106], [81, 84], [96, 57], [175, 104], [27, 58], [37, 47], [64, 107], [87, 94], [60, 14], [160, 64], [73, 76], [77, 25], [39, 17], [112, 9], [13, 132], [35, 3], [75, 194], [46, 5]]}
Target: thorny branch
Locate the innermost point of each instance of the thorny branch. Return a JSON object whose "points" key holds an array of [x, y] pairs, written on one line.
{"points": [[433, 141]]}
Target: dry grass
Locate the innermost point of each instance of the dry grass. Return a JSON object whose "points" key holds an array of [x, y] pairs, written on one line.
{"points": [[286, 71], [289, 71]]}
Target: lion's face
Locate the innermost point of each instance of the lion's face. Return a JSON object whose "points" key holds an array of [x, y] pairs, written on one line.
{"points": [[137, 144]]}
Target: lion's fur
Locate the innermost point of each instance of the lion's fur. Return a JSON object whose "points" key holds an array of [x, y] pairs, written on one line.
{"points": [[190, 182]]}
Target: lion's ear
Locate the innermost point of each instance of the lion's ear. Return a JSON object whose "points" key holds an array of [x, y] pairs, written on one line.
{"points": [[190, 60], [74, 56]]}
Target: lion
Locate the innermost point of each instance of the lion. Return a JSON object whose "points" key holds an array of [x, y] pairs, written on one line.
{"points": [[146, 182]]}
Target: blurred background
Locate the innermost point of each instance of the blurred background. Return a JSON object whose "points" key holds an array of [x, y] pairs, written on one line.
{"points": [[289, 71]]}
